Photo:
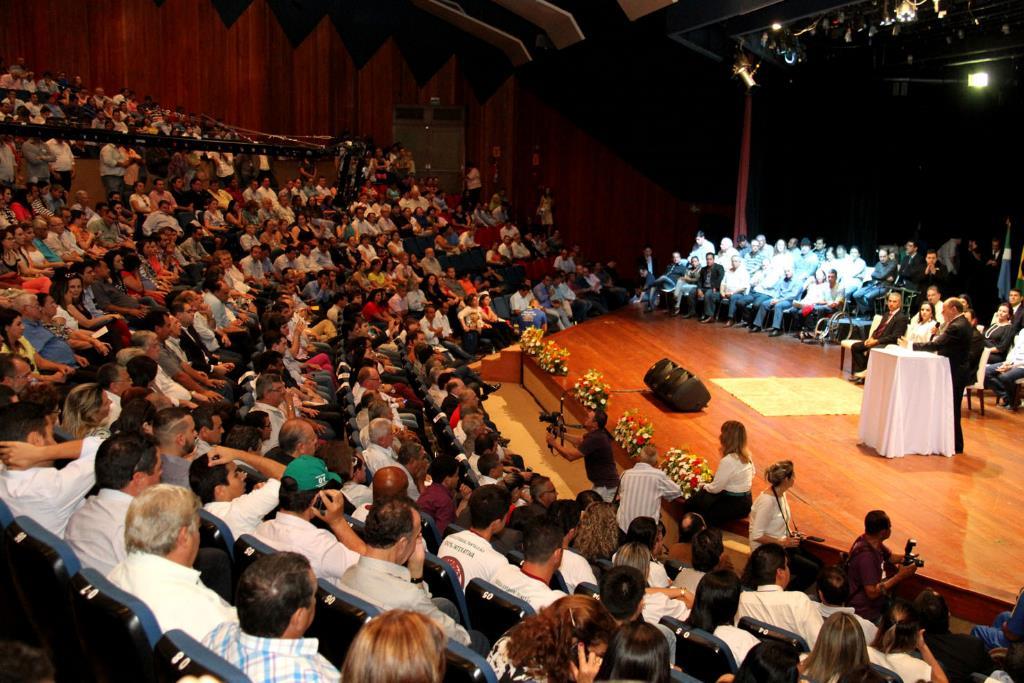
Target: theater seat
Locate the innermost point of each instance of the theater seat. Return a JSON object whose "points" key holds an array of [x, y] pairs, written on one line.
{"points": [[893, 677], [765, 632], [431, 536], [214, 533], [848, 343], [42, 566], [588, 589], [442, 582], [680, 677], [339, 616], [492, 610], [179, 654], [247, 550], [466, 666], [14, 625], [116, 630], [699, 653]]}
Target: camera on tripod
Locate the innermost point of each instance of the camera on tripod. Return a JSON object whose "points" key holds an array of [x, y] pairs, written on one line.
{"points": [[909, 556]]}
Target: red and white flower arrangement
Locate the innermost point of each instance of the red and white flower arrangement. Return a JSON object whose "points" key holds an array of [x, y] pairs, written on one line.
{"points": [[531, 341], [687, 469], [591, 390], [553, 359], [633, 431]]}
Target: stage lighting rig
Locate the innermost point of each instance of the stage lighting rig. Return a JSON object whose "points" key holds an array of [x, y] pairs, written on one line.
{"points": [[745, 70]]}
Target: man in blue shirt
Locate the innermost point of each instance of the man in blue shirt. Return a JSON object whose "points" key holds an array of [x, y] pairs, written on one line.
{"points": [[46, 343], [40, 226]]}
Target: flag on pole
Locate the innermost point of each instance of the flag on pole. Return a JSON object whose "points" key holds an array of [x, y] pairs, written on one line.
{"points": [[1005, 281], [1020, 272]]}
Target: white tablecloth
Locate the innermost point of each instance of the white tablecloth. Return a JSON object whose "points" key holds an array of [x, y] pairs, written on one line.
{"points": [[908, 403]]}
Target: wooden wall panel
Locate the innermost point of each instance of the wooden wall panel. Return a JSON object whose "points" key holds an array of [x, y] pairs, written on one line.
{"points": [[249, 75]]}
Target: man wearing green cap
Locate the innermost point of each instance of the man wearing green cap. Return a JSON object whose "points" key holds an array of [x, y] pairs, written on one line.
{"points": [[304, 495]]}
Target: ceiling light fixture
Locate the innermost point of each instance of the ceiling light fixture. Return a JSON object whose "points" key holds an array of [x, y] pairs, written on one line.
{"points": [[744, 70], [978, 79], [776, 26], [906, 12]]}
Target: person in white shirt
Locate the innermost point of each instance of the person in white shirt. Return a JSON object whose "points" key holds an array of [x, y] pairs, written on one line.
{"points": [[30, 484], [126, 465], [542, 550], [469, 552], [714, 610], [303, 497], [671, 602], [575, 569], [162, 539], [389, 483], [736, 279], [220, 484], [727, 496], [901, 635], [767, 571], [270, 395], [834, 591], [378, 453], [643, 487], [771, 521], [706, 556]]}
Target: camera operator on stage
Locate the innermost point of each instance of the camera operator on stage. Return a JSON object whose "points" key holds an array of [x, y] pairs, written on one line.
{"points": [[595, 447], [872, 568]]}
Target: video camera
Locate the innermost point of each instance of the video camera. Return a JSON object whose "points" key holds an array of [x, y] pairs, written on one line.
{"points": [[555, 421], [909, 556]]}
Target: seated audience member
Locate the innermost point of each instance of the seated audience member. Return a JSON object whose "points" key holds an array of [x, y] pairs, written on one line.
{"points": [[924, 325], [378, 452], [574, 568], [304, 496], [840, 648], [552, 646], [650, 533], [175, 434], [727, 496], [689, 525], [657, 603], [882, 277], [765, 577], [707, 557], [220, 484], [959, 654], [643, 487], [714, 610], [890, 329], [438, 499], [771, 521], [389, 574], [389, 483], [21, 663], [399, 645], [709, 283], [768, 662], [899, 636], [126, 465], [30, 484], [872, 568], [161, 536], [542, 552], [999, 335], [786, 290], [1002, 376], [1008, 627], [834, 591], [637, 652], [340, 458], [276, 601], [469, 552], [622, 592], [597, 536]]}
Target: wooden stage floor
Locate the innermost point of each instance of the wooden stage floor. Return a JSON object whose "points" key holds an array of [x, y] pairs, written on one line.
{"points": [[961, 509]]}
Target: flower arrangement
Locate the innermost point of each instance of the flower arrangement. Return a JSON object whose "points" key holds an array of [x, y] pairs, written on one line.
{"points": [[633, 431], [554, 359], [686, 469], [530, 341], [591, 390]]}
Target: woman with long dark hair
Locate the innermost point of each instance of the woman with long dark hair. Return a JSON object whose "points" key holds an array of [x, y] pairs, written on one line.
{"points": [[714, 610], [12, 331], [638, 652]]}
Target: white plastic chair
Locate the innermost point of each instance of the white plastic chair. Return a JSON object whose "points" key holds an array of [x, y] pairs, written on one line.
{"points": [[979, 382], [848, 343]]}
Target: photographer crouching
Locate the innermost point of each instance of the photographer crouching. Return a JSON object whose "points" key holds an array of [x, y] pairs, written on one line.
{"points": [[595, 447], [872, 568]]}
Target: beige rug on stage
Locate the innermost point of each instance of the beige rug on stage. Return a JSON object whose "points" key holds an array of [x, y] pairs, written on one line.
{"points": [[781, 396]]}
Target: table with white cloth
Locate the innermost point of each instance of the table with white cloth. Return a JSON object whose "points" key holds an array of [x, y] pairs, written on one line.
{"points": [[908, 403]]}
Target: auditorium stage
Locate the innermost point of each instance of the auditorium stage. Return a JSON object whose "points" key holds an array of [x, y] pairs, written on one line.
{"points": [[962, 510]]}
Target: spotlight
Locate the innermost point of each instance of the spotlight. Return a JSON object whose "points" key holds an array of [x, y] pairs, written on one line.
{"points": [[744, 70], [776, 26], [978, 79], [906, 12]]}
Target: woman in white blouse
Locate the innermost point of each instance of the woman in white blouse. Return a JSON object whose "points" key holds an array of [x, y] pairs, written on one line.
{"points": [[772, 522], [727, 496], [924, 325], [658, 602], [899, 635]]}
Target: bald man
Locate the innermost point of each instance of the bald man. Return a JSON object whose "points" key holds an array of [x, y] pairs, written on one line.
{"points": [[389, 483]]}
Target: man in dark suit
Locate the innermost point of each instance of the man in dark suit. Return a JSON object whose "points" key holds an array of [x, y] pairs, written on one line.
{"points": [[709, 282], [893, 326], [646, 267], [912, 267], [1016, 311], [933, 273], [667, 281], [954, 342]]}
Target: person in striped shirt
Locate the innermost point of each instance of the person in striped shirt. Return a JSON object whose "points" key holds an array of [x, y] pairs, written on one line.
{"points": [[642, 488]]}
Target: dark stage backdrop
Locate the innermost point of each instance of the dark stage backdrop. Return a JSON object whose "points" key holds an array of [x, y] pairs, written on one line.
{"points": [[250, 75]]}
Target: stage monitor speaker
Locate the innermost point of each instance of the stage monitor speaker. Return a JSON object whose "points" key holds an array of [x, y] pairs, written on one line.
{"points": [[678, 387]]}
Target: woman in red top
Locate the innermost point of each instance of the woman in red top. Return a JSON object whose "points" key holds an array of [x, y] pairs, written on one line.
{"points": [[376, 310]]}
